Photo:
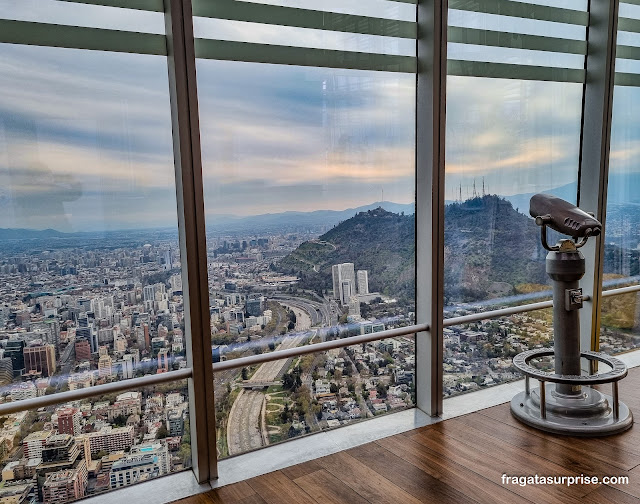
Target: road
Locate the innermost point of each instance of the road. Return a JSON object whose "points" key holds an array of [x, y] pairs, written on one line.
{"points": [[244, 422], [270, 371], [243, 425], [243, 431]]}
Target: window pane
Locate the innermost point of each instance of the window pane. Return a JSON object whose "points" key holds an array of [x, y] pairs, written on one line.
{"points": [[317, 392], [506, 140], [90, 276], [309, 194], [622, 240], [514, 106], [70, 451]]}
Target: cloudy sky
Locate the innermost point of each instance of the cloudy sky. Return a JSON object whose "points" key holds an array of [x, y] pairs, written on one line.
{"points": [[85, 136]]}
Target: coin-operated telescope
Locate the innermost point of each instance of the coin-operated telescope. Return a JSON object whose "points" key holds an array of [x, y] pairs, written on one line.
{"points": [[565, 401]]}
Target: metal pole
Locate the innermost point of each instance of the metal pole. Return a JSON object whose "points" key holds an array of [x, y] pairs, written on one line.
{"points": [[543, 399]]}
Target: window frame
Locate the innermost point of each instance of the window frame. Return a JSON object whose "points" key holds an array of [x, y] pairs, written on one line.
{"points": [[430, 127]]}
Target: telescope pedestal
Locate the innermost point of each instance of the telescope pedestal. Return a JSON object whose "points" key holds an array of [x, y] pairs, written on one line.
{"points": [[565, 403], [588, 415]]}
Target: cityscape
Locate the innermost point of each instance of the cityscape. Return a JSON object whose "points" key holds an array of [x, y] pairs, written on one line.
{"points": [[78, 310]]}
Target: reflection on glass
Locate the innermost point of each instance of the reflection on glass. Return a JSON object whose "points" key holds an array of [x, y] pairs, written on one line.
{"points": [[620, 331], [506, 140], [622, 258], [90, 277]]}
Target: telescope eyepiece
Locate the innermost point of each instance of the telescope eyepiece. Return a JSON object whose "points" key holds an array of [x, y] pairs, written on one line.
{"points": [[563, 217]]}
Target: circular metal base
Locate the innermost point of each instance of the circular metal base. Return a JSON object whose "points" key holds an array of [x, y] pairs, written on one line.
{"points": [[588, 414]]}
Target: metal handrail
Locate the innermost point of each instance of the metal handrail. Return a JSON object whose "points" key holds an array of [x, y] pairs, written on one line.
{"points": [[181, 374], [86, 393], [316, 347]]}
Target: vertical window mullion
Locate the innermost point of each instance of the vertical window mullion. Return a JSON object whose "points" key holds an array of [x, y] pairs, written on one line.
{"points": [[594, 153], [430, 149], [192, 232]]}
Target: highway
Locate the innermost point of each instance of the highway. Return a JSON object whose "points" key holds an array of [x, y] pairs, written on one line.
{"points": [[243, 428], [243, 424]]}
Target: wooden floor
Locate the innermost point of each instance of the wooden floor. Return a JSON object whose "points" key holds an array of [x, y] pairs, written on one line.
{"points": [[456, 461]]}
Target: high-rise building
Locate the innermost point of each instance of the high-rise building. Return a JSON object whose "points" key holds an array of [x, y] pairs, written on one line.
{"points": [[104, 366], [69, 421], [132, 469], [40, 359], [255, 305], [163, 360], [6, 371], [54, 330], [83, 350], [111, 439], [363, 282], [14, 350], [354, 306], [32, 445], [343, 277], [87, 333], [175, 422], [64, 486]]}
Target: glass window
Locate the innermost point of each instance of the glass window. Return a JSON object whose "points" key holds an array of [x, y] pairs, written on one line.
{"points": [[622, 240], [514, 103], [90, 271], [309, 179]]}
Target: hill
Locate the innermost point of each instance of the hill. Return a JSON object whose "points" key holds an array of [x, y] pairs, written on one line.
{"points": [[317, 220], [381, 242], [490, 248]]}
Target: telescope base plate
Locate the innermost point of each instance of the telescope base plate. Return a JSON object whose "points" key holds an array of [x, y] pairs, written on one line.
{"points": [[563, 418]]}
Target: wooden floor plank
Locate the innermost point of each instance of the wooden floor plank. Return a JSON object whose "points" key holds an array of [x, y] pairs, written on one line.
{"points": [[491, 467], [458, 461], [633, 487], [544, 447], [303, 469], [276, 488], [365, 481], [328, 489], [203, 498], [410, 478], [613, 450], [616, 451], [231, 493], [607, 495], [470, 483]]}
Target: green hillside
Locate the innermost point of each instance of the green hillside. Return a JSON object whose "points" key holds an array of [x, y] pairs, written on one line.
{"points": [[490, 248], [381, 242]]}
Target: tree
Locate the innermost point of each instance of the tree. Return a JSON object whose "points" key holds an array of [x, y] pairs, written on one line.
{"points": [[185, 453], [245, 373], [99, 455], [162, 432], [333, 388]]}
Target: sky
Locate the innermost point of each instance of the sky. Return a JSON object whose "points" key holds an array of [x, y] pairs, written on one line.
{"points": [[86, 143]]}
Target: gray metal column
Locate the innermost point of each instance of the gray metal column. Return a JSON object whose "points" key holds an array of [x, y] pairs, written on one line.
{"points": [[594, 152], [430, 153], [191, 224]]}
